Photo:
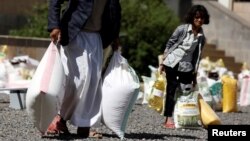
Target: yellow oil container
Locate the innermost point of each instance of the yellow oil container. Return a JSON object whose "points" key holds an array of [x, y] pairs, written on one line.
{"points": [[156, 98]]}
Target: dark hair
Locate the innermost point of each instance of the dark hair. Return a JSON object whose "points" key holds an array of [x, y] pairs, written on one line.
{"points": [[192, 12]]}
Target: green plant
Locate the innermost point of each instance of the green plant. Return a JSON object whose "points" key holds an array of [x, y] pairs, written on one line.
{"points": [[36, 23], [146, 27]]}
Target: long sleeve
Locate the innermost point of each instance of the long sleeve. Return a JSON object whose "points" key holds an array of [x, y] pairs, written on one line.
{"points": [[111, 22], [54, 14], [198, 53], [73, 19], [172, 40]]}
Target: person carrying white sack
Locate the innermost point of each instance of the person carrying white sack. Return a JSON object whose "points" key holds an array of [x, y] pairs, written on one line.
{"points": [[85, 28]]}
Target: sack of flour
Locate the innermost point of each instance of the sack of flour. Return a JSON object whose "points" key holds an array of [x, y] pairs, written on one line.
{"points": [[46, 91], [186, 112], [244, 98], [229, 94], [119, 93]]}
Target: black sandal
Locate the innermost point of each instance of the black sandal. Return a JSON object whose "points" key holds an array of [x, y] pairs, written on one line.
{"points": [[83, 132]]}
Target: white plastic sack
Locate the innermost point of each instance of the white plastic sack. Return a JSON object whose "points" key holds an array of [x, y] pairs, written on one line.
{"points": [[244, 73], [120, 91], [154, 72], [244, 99], [148, 83], [216, 92], [186, 111], [46, 90], [3, 75], [203, 87]]}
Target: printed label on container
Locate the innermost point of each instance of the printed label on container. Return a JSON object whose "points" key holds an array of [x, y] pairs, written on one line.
{"points": [[157, 92]]}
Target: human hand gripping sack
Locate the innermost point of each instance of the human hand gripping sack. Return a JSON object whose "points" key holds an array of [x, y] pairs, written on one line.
{"points": [[55, 35]]}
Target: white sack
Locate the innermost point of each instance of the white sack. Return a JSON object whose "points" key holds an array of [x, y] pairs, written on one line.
{"points": [[186, 111], [148, 83], [46, 91], [3, 75], [203, 88], [244, 99], [120, 91]]}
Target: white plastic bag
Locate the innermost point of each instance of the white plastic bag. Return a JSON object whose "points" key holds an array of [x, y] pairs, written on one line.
{"points": [[148, 83], [203, 88], [120, 91], [186, 111], [46, 91], [244, 98], [3, 75], [216, 92]]}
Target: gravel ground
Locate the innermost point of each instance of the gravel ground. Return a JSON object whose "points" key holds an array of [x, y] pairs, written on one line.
{"points": [[144, 124]]}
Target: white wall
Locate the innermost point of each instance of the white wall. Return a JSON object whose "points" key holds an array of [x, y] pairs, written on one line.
{"points": [[242, 9], [226, 3], [227, 31]]}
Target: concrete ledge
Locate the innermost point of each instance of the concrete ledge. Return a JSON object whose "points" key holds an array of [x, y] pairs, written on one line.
{"points": [[33, 47], [24, 41]]}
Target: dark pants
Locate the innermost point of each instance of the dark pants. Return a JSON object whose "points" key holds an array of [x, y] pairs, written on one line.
{"points": [[174, 78]]}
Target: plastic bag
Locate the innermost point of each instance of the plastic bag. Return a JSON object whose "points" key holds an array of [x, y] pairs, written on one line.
{"points": [[229, 94], [186, 112], [119, 93], [46, 91], [216, 92], [148, 83], [204, 89], [208, 116], [244, 99]]}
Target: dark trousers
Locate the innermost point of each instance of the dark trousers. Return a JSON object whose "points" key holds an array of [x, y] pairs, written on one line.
{"points": [[174, 78]]}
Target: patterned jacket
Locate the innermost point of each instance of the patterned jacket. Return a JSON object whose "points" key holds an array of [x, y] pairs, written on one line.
{"points": [[177, 38]]}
